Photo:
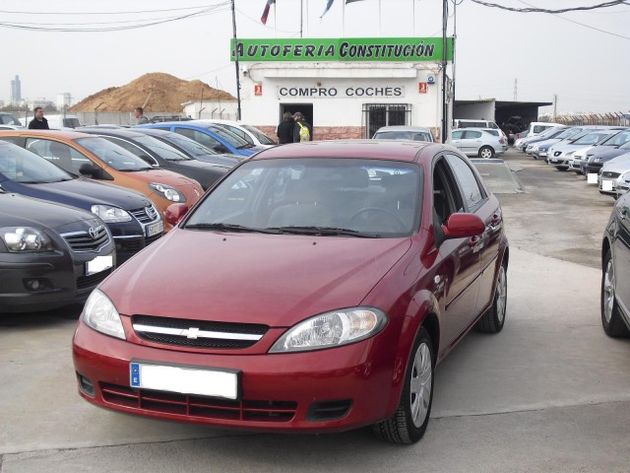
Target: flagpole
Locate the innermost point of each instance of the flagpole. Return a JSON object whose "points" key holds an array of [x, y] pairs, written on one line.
{"points": [[343, 18], [301, 18], [236, 62], [413, 3], [380, 30]]}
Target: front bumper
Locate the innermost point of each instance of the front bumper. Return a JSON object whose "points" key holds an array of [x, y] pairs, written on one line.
{"points": [[279, 392], [559, 161], [60, 277]]}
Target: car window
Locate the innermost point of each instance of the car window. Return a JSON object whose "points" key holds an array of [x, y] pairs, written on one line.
{"points": [[64, 156], [591, 139], [9, 120], [20, 165], [457, 135], [370, 197], [191, 147], [618, 139], [493, 125], [133, 149], [203, 139], [472, 135], [540, 128], [237, 131], [234, 140], [493, 132], [446, 197], [471, 192], [264, 139], [115, 156], [161, 149]]}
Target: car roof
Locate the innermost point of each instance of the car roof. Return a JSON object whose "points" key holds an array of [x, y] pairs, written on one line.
{"points": [[403, 128], [123, 133], [153, 131], [386, 150], [61, 134], [474, 128]]}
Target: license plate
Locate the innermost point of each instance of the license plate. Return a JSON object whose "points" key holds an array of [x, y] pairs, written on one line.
{"points": [[98, 264], [184, 380], [591, 178], [155, 228], [607, 185]]}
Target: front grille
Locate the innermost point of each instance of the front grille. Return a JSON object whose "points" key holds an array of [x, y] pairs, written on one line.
{"points": [[145, 215], [197, 333], [84, 241], [612, 175], [133, 245], [84, 282], [198, 406]]}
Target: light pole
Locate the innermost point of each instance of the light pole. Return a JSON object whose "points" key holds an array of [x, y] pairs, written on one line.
{"points": [[444, 63], [236, 63]]}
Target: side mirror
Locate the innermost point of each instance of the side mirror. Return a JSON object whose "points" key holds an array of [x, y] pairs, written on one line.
{"points": [[90, 170], [175, 213], [463, 225]]}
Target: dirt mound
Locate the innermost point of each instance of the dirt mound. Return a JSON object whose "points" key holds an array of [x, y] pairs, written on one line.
{"points": [[158, 92]]}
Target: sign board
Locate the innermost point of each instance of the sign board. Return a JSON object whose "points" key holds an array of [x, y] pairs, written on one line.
{"points": [[258, 89], [342, 49], [423, 87], [290, 92]]}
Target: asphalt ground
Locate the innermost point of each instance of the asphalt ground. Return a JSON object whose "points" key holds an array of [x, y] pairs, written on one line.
{"points": [[551, 393]]}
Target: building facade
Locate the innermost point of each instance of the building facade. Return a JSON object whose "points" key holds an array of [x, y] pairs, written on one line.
{"points": [[346, 88], [16, 91]]}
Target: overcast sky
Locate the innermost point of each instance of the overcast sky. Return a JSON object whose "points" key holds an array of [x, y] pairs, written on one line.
{"points": [[548, 54]]}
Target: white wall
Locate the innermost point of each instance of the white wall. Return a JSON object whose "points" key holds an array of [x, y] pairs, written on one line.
{"points": [[477, 110], [264, 110]]}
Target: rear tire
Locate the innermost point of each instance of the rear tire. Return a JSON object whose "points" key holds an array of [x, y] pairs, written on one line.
{"points": [[486, 152], [410, 420], [494, 319], [612, 321]]}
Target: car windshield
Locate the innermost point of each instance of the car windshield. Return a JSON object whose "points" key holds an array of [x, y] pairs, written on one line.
{"points": [[618, 139], [189, 146], [569, 133], [115, 156], [163, 150], [236, 141], [591, 138], [264, 139], [403, 135], [9, 120], [20, 165], [317, 196]]}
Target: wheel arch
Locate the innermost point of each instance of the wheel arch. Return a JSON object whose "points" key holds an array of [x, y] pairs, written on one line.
{"points": [[606, 247]]}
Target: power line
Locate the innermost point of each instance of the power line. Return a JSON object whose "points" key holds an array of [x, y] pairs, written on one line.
{"points": [[531, 9], [106, 13]]}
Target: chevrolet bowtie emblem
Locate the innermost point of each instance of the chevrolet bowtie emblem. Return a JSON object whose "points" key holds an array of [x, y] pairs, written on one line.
{"points": [[193, 333]]}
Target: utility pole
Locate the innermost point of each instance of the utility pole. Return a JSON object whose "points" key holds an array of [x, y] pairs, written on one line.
{"points": [[301, 18], [454, 46], [236, 63], [515, 90], [555, 106], [444, 63]]}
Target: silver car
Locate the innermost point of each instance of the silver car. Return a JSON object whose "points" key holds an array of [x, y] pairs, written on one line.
{"points": [[614, 177], [560, 155], [482, 142], [412, 133]]}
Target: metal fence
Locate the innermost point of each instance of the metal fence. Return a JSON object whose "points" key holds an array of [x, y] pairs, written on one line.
{"points": [[610, 119]]}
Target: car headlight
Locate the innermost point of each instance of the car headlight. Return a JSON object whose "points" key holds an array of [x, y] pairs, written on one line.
{"points": [[331, 329], [109, 214], [625, 177], [25, 239], [542, 148], [168, 192], [100, 314]]}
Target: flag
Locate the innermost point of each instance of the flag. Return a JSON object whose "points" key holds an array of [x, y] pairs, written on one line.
{"points": [[352, 1], [329, 4], [265, 14]]}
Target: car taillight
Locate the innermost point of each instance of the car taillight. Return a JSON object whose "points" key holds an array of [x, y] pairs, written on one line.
{"points": [[502, 141]]}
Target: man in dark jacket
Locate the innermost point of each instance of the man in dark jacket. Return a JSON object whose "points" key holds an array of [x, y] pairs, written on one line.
{"points": [[302, 131], [285, 129], [39, 122]]}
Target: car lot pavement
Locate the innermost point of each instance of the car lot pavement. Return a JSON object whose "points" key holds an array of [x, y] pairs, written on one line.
{"points": [[550, 393]]}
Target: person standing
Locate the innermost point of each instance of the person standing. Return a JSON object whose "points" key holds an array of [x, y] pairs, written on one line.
{"points": [[302, 130], [285, 129], [140, 118], [39, 122]]}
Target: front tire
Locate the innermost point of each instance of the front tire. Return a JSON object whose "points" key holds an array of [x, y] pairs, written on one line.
{"points": [[410, 420], [486, 152], [612, 321], [493, 320]]}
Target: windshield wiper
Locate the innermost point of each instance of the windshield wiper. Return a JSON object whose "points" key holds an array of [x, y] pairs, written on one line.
{"points": [[323, 231], [229, 227]]}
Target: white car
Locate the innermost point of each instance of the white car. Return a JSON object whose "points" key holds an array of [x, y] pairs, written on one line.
{"points": [[482, 142], [614, 177], [249, 133], [560, 154], [575, 163]]}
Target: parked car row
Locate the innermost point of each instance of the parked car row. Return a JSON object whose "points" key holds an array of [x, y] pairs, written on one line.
{"points": [[600, 153], [75, 204]]}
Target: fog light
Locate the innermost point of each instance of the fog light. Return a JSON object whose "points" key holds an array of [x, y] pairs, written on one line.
{"points": [[85, 385], [36, 284]]}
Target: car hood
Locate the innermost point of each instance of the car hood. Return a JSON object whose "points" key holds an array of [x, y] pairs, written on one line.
{"points": [[276, 280], [227, 160], [607, 152], [84, 193], [619, 164], [549, 142], [164, 176], [16, 210]]}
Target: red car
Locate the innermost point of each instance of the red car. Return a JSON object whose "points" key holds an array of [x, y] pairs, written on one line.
{"points": [[314, 289]]}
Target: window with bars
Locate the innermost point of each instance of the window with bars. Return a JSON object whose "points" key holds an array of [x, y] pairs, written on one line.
{"points": [[377, 115]]}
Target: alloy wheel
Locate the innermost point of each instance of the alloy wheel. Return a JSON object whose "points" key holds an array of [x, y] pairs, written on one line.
{"points": [[486, 153], [420, 385], [609, 291], [501, 294]]}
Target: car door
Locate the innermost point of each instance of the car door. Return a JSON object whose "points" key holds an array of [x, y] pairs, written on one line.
{"points": [[472, 142], [458, 270], [202, 138], [64, 156], [621, 253], [486, 206]]}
